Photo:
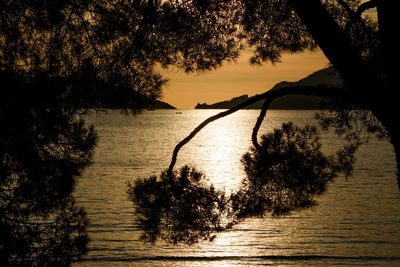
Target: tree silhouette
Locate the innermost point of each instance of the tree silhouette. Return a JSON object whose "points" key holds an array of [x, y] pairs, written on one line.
{"points": [[43, 150], [59, 58], [56, 61], [284, 173], [287, 170], [179, 207], [68, 44]]}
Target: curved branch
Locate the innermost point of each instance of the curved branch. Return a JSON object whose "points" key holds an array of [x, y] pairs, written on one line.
{"points": [[361, 8], [271, 95], [365, 6], [355, 16], [257, 126]]}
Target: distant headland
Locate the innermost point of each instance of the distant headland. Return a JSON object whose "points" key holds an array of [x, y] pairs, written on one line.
{"points": [[326, 77], [160, 105]]}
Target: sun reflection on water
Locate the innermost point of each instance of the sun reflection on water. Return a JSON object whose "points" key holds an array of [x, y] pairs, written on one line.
{"points": [[217, 151], [133, 147]]}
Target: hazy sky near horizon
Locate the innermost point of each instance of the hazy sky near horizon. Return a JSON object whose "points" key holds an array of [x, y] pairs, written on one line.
{"points": [[184, 91]]}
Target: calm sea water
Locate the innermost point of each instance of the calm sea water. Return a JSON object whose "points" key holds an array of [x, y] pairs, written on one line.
{"points": [[356, 223]]}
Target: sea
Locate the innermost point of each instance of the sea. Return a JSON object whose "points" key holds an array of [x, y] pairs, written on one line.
{"points": [[356, 221]]}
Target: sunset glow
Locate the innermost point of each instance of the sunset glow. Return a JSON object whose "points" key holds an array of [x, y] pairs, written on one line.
{"points": [[184, 91]]}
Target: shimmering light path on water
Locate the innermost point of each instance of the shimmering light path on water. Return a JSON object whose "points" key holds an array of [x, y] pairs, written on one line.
{"points": [[356, 223]]}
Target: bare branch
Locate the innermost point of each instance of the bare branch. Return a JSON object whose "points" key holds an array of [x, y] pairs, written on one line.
{"points": [[257, 126], [355, 16], [365, 6], [271, 95], [361, 8]]}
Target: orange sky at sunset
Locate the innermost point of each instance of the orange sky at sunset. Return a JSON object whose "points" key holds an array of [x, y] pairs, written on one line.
{"points": [[184, 91]]}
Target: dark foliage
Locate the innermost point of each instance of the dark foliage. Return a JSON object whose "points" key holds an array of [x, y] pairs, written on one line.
{"points": [[286, 174], [353, 122], [59, 57], [59, 45], [56, 236], [288, 171], [178, 208], [273, 28], [103, 53], [43, 150]]}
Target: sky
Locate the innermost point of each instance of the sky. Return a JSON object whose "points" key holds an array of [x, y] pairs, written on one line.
{"points": [[233, 79]]}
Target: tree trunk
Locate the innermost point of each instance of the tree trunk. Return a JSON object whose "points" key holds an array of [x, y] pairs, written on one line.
{"points": [[387, 115], [396, 145], [375, 90], [388, 31], [337, 47]]}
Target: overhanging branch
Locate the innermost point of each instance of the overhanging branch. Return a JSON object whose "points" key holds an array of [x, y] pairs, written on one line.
{"points": [[355, 16], [365, 6], [260, 119], [361, 8], [323, 91]]}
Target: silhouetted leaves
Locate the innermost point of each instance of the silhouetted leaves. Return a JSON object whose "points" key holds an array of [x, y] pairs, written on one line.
{"points": [[43, 150], [286, 174], [58, 57], [104, 53], [355, 123], [68, 55], [272, 28], [56, 236], [180, 208]]}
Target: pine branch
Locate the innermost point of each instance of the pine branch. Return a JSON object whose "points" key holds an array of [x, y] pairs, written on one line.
{"points": [[365, 6], [355, 16], [257, 126], [323, 91]]}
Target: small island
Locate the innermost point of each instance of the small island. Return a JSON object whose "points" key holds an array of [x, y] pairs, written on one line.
{"points": [[160, 105]]}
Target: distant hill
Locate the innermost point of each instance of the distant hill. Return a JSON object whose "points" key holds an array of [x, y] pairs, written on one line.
{"points": [[224, 104], [327, 77], [161, 105]]}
